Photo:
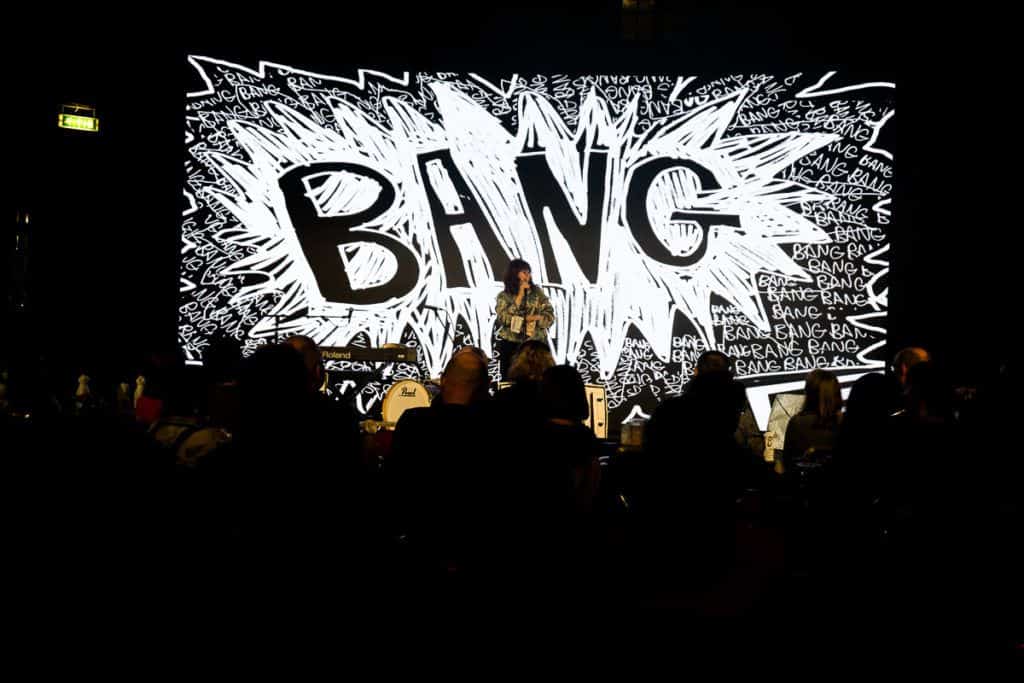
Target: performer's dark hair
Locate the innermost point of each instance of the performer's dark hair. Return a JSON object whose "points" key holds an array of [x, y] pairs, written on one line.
{"points": [[512, 274]]}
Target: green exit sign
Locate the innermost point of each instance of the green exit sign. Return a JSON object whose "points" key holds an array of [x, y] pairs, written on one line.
{"points": [[78, 122]]}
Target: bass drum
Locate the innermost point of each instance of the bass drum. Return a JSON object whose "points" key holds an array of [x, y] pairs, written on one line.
{"points": [[402, 395]]}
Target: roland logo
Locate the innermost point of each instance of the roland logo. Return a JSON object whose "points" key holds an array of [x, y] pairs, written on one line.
{"points": [[407, 391]]}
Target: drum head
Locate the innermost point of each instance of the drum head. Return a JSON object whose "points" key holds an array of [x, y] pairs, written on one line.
{"points": [[403, 395]]}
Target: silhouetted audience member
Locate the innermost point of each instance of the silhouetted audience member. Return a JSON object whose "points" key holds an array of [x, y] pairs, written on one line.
{"points": [[280, 488], [905, 359], [521, 401], [813, 431], [530, 362], [475, 350], [339, 444], [565, 444], [340, 416], [551, 480], [203, 407], [222, 361], [682, 492], [748, 433], [171, 403], [863, 441], [923, 480], [478, 353], [446, 473], [694, 431], [164, 375], [874, 397]]}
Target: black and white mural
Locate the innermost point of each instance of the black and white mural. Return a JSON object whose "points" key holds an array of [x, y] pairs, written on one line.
{"points": [[662, 215]]}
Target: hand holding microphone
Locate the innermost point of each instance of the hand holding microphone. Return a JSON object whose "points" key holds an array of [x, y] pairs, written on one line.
{"points": [[524, 285]]}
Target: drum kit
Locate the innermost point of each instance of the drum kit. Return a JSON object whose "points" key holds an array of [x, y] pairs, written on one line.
{"points": [[409, 393], [400, 397]]}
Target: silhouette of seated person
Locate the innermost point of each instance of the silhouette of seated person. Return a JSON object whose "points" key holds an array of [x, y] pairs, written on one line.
{"points": [[149, 406], [904, 360], [558, 472], [863, 438], [275, 484], [222, 361], [335, 427], [920, 477], [811, 434], [202, 420], [179, 421], [683, 490], [933, 496], [748, 434], [566, 443], [339, 416], [444, 473], [521, 400], [478, 353]]}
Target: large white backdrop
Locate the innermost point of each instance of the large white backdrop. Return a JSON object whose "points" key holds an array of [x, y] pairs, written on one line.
{"points": [[662, 216]]}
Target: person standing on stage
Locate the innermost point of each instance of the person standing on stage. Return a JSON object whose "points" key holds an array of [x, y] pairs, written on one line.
{"points": [[524, 312]]}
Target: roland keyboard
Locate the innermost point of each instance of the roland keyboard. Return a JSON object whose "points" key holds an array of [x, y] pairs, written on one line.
{"points": [[362, 355]]}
